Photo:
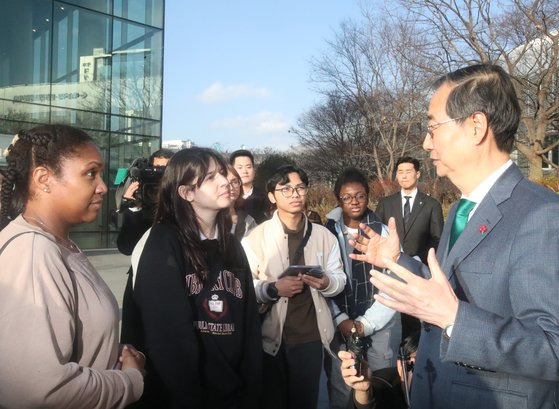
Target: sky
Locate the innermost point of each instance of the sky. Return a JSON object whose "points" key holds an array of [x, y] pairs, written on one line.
{"points": [[236, 72]]}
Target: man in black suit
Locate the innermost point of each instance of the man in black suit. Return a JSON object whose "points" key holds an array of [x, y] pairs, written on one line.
{"points": [[419, 220], [255, 202]]}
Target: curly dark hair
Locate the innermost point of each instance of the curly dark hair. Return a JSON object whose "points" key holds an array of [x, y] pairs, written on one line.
{"points": [[44, 145], [350, 175]]}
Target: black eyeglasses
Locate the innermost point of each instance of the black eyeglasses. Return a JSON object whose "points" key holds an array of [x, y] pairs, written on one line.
{"points": [[235, 183], [287, 191], [360, 197]]}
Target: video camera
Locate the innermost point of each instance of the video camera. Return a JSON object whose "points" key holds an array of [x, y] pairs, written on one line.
{"points": [[358, 346], [148, 177]]}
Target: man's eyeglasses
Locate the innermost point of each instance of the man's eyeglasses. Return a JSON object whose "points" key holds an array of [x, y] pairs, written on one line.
{"points": [[360, 197], [287, 191], [235, 183], [432, 127]]}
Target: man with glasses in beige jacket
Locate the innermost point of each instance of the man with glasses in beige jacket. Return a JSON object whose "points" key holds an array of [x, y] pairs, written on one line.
{"points": [[297, 323]]}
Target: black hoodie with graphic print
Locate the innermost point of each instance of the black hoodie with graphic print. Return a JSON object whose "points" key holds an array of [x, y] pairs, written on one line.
{"points": [[202, 340]]}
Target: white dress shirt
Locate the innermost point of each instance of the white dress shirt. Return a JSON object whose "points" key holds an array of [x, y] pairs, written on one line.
{"points": [[412, 195], [484, 187]]}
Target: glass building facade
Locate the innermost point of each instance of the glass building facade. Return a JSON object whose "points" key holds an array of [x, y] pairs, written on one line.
{"points": [[94, 64]]}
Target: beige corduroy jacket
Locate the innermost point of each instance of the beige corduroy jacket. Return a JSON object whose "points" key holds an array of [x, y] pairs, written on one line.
{"points": [[267, 252]]}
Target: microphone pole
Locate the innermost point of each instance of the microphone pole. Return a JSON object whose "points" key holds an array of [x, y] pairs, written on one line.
{"points": [[403, 361]]}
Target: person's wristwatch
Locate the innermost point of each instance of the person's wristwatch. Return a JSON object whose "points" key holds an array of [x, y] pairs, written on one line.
{"points": [[272, 291]]}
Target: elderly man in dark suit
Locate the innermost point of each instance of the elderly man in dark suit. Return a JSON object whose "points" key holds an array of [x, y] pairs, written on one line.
{"points": [[489, 299], [419, 220]]}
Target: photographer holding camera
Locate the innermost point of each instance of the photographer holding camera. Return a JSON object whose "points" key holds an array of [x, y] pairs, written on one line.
{"points": [[139, 199], [382, 388]]}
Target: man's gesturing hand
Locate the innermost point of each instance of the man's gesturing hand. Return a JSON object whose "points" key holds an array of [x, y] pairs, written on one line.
{"points": [[432, 300], [376, 248]]}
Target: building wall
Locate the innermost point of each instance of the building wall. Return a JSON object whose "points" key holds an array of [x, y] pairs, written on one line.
{"points": [[94, 64]]}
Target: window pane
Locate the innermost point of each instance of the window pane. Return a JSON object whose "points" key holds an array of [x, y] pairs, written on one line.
{"points": [[82, 119], [81, 60], [22, 112], [148, 12], [104, 6], [136, 126], [25, 47], [126, 148], [136, 70]]}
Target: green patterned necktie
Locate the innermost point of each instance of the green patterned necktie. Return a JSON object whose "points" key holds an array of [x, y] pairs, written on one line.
{"points": [[465, 206]]}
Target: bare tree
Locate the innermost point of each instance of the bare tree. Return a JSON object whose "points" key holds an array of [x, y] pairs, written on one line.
{"points": [[362, 69], [520, 35], [333, 136]]}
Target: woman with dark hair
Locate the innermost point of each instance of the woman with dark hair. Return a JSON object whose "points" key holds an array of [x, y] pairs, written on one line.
{"points": [[196, 308], [243, 223], [59, 319]]}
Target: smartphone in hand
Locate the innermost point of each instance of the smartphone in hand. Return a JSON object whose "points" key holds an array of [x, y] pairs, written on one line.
{"points": [[294, 270]]}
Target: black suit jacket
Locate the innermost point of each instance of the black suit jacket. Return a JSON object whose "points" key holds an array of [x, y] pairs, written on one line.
{"points": [[257, 206], [425, 225], [134, 225]]}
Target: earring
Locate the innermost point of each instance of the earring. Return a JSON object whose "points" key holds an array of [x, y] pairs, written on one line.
{"points": [[46, 190]]}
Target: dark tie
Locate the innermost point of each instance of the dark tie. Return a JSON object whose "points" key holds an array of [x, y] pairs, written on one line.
{"points": [[407, 210], [463, 210]]}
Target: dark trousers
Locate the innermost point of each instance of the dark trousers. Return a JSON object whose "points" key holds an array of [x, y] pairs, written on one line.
{"points": [[292, 377]]}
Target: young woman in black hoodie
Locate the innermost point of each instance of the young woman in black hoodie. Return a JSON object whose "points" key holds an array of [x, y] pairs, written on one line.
{"points": [[194, 308]]}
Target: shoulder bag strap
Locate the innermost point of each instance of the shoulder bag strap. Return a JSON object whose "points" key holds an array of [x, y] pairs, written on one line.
{"points": [[299, 251]]}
